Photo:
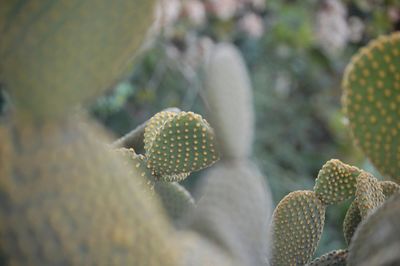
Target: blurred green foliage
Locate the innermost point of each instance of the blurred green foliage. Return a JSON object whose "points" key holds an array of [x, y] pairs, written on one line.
{"points": [[296, 81]]}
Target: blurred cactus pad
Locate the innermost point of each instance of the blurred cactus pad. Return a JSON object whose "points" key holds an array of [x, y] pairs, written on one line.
{"points": [[69, 51], [371, 101]]}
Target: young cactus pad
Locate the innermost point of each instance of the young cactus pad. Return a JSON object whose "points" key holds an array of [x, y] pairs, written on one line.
{"points": [[371, 100], [297, 224], [336, 182], [183, 144]]}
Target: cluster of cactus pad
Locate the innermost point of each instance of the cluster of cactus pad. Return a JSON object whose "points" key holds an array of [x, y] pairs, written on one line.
{"points": [[176, 143], [67, 198], [371, 98], [298, 219]]}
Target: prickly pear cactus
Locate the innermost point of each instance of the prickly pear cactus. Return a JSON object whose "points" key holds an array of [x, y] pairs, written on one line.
{"points": [[294, 227], [297, 224], [371, 99]]}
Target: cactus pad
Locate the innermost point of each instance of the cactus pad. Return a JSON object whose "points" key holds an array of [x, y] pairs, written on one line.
{"points": [[184, 143], [351, 221], [369, 194], [371, 100], [389, 188], [333, 258], [229, 97], [336, 182], [70, 200], [68, 50], [297, 224]]}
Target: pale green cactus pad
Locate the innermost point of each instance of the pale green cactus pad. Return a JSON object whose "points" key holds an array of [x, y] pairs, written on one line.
{"points": [[371, 101], [333, 258], [351, 221], [297, 224], [369, 193], [184, 143], [336, 182]]}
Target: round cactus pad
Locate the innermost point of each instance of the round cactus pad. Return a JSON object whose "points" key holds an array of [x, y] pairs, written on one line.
{"points": [[183, 144]]}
